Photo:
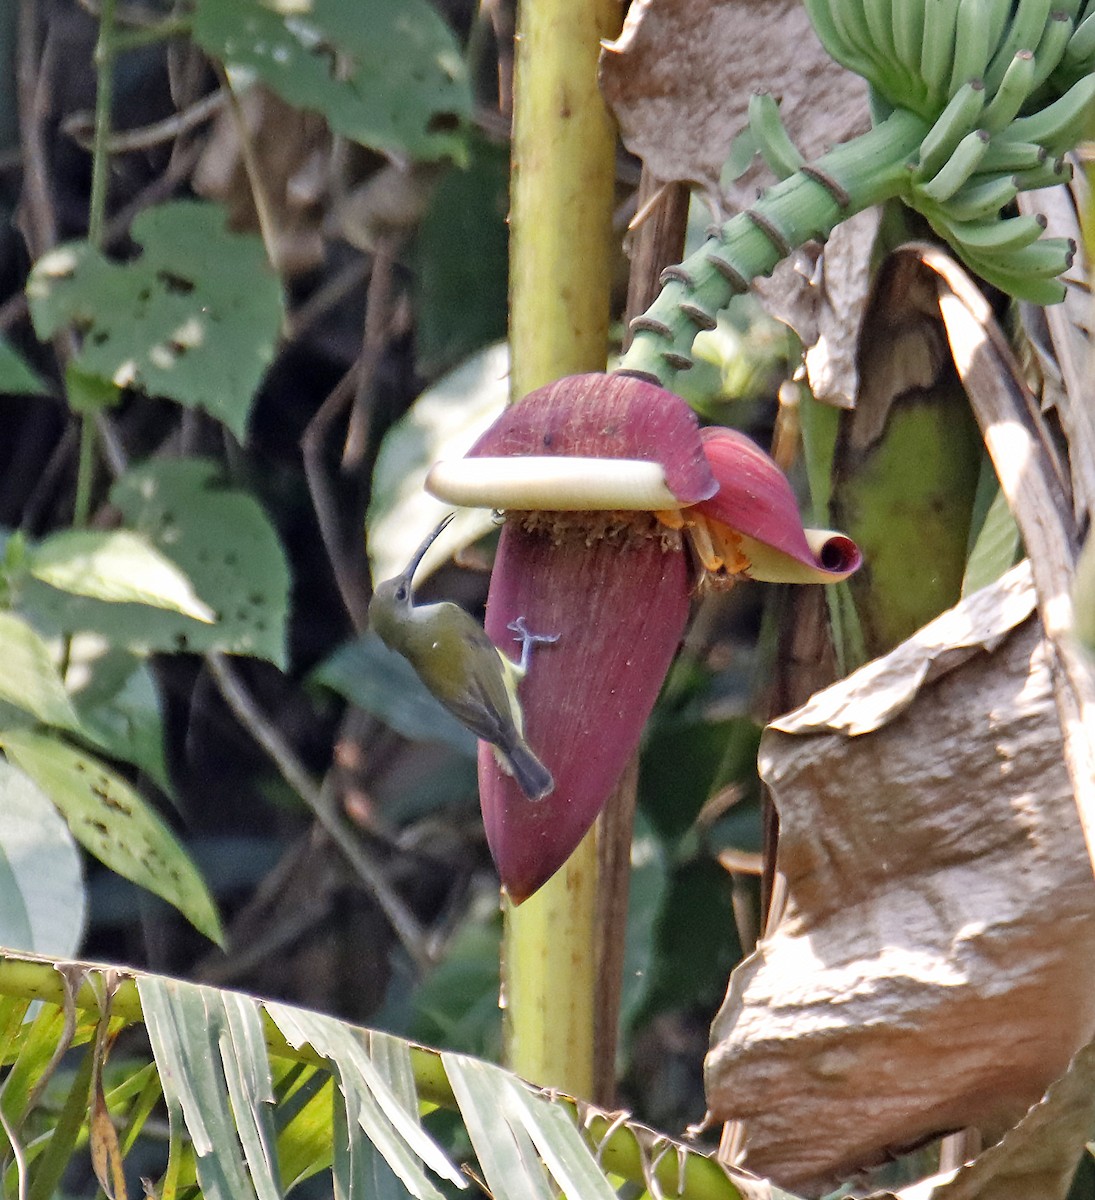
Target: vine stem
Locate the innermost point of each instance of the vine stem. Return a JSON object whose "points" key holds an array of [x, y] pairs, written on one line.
{"points": [[105, 51], [807, 206]]}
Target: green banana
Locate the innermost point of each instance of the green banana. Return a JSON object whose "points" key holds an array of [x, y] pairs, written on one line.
{"points": [[821, 17], [937, 46], [1051, 49], [896, 80], [1081, 46], [1045, 258], [1060, 125], [1015, 87], [1004, 155], [994, 236], [1023, 33], [958, 168], [771, 138], [972, 49], [851, 24], [958, 119], [908, 33], [975, 201], [1046, 288], [1053, 171], [999, 21]]}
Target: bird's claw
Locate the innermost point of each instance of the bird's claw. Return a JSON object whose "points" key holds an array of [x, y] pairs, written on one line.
{"points": [[528, 639]]}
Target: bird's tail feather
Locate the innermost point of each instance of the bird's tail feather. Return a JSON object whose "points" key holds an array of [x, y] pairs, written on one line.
{"points": [[533, 778]]}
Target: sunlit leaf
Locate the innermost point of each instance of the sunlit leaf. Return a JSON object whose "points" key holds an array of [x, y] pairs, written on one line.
{"points": [[558, 1142], [304, 1141], [185, 1024], [371, 1101], [250, 1087], [194, 318], [115, 565], [42, 899], [118, 700], [114, 823], [386, 73], [503, 1147], [29, 679], [219, 537]]}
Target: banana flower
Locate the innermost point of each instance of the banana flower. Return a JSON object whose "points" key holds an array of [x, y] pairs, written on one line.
{"points": [[617, 505]]}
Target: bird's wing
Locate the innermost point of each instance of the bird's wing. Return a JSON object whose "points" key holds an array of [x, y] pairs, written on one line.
{"points": [[485, 706]]}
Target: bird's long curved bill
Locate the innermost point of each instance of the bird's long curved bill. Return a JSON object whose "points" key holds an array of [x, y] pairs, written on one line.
{"points": [[419, 554]]}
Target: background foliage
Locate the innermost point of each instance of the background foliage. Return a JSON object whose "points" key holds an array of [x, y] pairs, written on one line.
{"points": [[219, 307]]}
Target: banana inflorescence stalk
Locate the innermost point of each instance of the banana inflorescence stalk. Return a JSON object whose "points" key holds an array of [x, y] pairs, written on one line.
{"points": [[983, 98]]}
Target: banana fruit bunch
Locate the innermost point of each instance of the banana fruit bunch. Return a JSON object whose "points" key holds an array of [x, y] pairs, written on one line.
{"points": [[1007, 86]]}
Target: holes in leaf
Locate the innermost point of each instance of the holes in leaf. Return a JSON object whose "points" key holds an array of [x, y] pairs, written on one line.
{"points": [[443, 123], [175, 284]]}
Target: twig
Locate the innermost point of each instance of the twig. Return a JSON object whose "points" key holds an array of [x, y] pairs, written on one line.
{"points": [[32, 69], [80, 126], [104, 105], [335, 290], [659, 227], [318, 801], [289, 928], [159, 189], [264, 209], [378, 303], [351, 587], [501, 16]]}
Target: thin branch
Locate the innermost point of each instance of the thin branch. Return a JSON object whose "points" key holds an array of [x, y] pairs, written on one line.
{"points": [[81, 128], [104, 107], [318, 801], [332, 292], [378, 305], [264, 208], [352, 589], [33, 64]]}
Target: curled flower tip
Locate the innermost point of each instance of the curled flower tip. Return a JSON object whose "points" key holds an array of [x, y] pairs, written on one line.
{"points": [[835, 553], [752, 525]]}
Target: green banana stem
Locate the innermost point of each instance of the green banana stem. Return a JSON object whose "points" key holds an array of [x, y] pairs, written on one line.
{"points": [[866, 171]]}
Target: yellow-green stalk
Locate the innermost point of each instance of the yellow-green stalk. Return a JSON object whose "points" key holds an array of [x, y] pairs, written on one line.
{"points": [[560, 258]]}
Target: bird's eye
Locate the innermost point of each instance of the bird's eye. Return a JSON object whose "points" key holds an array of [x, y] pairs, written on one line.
{"points": [[401, 592]]}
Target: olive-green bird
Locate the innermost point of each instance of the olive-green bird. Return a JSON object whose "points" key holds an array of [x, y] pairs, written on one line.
{"points": [[463, 668]]}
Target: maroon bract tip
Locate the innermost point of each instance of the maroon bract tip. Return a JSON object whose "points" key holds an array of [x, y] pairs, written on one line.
{"points": [[619, 603]]}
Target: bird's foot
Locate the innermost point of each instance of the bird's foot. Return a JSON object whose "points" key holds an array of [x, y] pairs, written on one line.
{"points": [[528, 639]]}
